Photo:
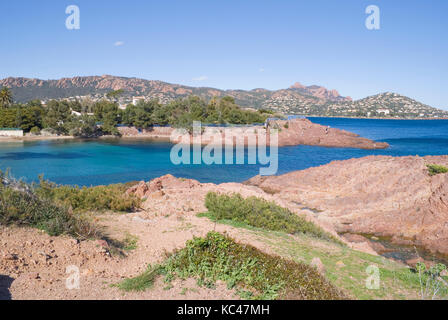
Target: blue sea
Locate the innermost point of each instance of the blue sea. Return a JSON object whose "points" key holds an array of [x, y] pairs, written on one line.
{"points": [[98, 162]]}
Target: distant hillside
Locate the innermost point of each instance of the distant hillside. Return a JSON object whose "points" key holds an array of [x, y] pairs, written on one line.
{"points": [[383, 105], [298, 99]]}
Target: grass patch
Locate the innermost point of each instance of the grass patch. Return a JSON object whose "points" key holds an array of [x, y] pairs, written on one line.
{"points": [[100, 198], [396, 280], [254, 274], [142, 282], [260, 213], [434, 169], [130, 242]]}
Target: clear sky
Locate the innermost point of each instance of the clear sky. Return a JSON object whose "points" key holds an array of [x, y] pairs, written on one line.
{"points": [[241, 44]]}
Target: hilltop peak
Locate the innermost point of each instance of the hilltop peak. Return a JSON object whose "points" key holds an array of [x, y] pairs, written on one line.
{"points": [[297, 85], [319, 92]]}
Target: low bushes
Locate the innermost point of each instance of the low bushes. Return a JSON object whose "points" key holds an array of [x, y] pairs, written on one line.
{"points": [[21, 205], [254, 274], [60, 209], [100, 198], [261, 214], [434, 169]]}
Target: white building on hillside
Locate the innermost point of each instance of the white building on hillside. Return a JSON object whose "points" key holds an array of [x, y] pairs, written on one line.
{"points": [[385, 111], [135, 100]]}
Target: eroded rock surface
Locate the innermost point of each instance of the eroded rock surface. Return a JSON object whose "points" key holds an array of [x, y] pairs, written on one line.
{"points": [[381, 195]]}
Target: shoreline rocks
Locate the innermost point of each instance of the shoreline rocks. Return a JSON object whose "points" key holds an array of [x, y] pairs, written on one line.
{"points": [[290, 133], [378, 195], [393, 197]]}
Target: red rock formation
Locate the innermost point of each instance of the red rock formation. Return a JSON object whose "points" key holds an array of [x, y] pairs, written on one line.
{"points": [[320, 92], [379, 195], [303, 131], [293, 132]]}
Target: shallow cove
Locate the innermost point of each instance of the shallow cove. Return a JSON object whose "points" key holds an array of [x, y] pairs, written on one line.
{"points": [[106, 161]]}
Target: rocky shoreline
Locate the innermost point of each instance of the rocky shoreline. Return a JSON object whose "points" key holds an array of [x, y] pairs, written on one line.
{"points": [[290, 133], [392, 197], [378, 195], [383, 196]]}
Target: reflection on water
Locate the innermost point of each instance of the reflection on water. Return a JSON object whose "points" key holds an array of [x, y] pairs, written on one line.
{"points": [[403, 253]]}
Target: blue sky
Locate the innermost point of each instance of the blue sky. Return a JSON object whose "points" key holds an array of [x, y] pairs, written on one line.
{"points": [[241, 44]]}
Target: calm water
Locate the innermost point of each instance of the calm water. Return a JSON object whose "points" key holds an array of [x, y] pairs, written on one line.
{"points": [[112, 161]]}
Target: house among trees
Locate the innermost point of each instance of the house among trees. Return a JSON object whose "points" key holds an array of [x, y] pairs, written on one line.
{"points": [[11, 132], [135, 100]]}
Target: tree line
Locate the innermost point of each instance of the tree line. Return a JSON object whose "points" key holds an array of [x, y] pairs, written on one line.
{"points": [[90, 119]]}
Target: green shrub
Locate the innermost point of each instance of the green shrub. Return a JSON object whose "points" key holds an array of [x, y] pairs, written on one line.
{"points": [[141, 282], [432, 286], [35, 131], [261, 214], [100, 198], [255, 275], [434, 169], [265, 111], [286, 125], [21, 205]]}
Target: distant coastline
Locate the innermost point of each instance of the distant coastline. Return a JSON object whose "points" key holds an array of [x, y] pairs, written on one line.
{"points": [[373, 118], [289, 133], [166, 138]]}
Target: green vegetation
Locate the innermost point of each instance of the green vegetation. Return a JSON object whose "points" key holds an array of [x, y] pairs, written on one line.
{"points": [[347, 268], [114, 94], [66, 210], [101, 198], [35, 131], [260, 213], [254, 274], [5, 97], [22, 116], [266, 111], [141, 282], [130, 242], [87, 119], [432, 286], [182, 113], [21, 205], [434, 169]]}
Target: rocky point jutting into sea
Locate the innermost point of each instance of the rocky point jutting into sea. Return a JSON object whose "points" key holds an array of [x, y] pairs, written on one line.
{"points": [[290, 133]]}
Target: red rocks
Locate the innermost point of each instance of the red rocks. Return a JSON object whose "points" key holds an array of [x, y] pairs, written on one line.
{"points": [[292, 132], [320, 92], [156, 186], [139, 190], [303, 131], [387, 196]]}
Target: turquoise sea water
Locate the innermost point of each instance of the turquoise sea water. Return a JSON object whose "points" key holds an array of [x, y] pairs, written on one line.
{"points": [[111, 161]]}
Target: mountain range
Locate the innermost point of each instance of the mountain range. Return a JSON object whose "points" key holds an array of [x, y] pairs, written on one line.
{"points": [[297, 99]]}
